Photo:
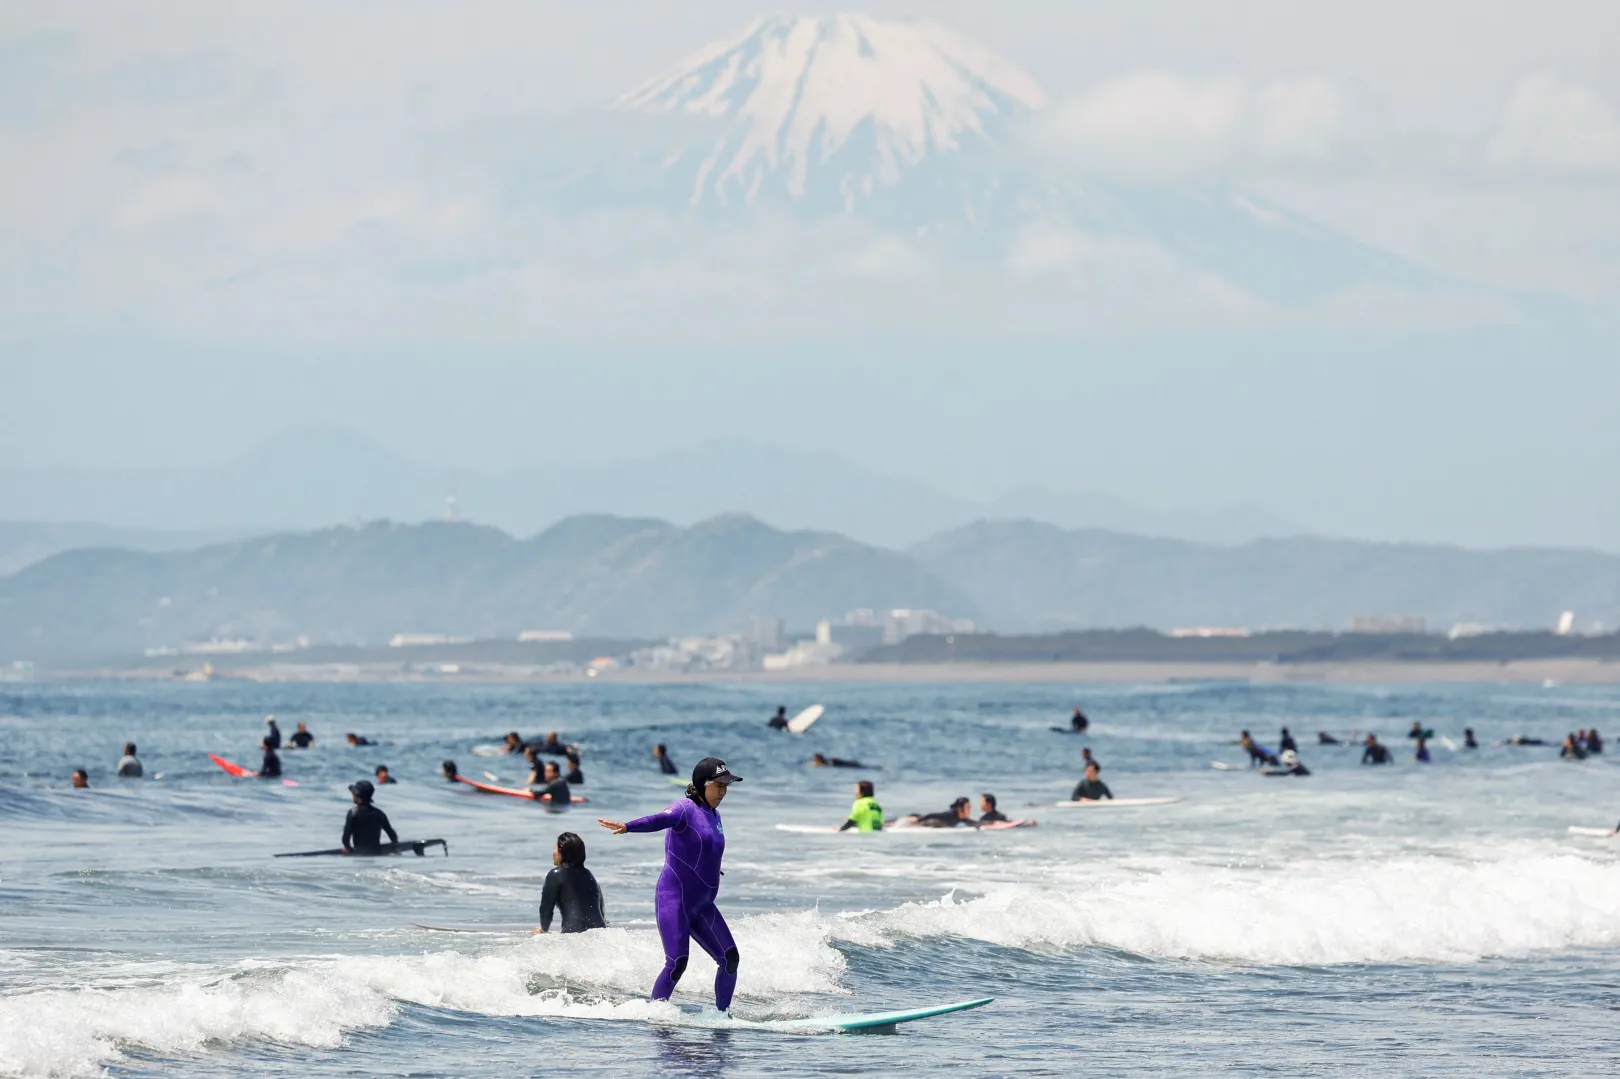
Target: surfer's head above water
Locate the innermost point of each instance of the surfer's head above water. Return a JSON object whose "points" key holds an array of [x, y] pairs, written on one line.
{"points": [[710, 779], [450, 770], [81, 778], [570, 850]]}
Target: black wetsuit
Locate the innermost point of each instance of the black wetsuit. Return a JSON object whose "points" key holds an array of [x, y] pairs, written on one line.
{"points": [[1377, 753], [1296, 770], [778, 722], [1469, 742], [947, 819], [1323, 738], [1079, 723], [667, 766], [1286, 743], [1259, 755], [558, 789], [301, 739], [363, 829], [550, 749], [1090, 790], [273, 739], [572, 891], [271, 766], [992, 816], [574, 775], [839, 762], [362, 740]]}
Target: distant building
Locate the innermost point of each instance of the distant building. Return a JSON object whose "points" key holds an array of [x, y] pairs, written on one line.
{"points": [[904, 622], [20, 670], [422, 640], [692, 654], [1566, 624], [803, 654], [545, 635], [1467, 629], [219, 646], [1389, 623], [849, 637], [766, 633], [1210, 631]]}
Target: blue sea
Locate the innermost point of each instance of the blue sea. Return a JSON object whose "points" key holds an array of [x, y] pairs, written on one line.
{"points": [[1417, 919]]}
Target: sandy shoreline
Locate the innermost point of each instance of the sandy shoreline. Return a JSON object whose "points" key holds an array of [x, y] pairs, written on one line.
{"points": [[1577, 672]]}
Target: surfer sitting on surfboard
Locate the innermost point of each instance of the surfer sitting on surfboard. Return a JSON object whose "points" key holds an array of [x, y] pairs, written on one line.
{"points": [[1258, 754], [365, 824], [571, 890], [989, 814], [1091, 788], [690, 880], [865, 815]]}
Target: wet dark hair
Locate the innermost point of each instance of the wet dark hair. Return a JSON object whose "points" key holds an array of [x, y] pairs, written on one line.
{"points": [[990, 799], [960, 802], [694, 793], [379, 769], [129, 747], [449, 768], [661, 748], [572, 848], [865, 787]]}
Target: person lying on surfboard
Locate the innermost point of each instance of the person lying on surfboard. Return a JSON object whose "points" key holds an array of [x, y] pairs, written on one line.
{"points": [[834, 762], [690, 880], [988, 813], [961, 812], [365, 824], [1091, 788], [571, 890], [865, 815], [451, 772], [1289, 764], [1258, 754]]}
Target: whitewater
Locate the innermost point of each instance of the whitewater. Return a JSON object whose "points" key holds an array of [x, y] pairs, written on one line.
{"points": [[1417, 919]]}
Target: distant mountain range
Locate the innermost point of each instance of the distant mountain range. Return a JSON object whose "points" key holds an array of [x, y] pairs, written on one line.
{"points": [[314, 477], [23, 543], [642, 578]]}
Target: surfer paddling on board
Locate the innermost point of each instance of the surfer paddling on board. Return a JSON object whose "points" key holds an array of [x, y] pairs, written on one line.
{"points": [[513, 743], [1258, 754], [1289, 765], [451, 772], [690, 880], [834, 762], [1091, 788], [865, 815], [571, 890], [365, 824], [961, 812]]}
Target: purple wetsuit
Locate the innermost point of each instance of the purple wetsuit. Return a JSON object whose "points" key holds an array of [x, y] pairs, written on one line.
{"points": [[685, 896]]}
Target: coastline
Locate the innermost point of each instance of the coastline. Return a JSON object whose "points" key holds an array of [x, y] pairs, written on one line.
{"points": [[1527, 672]]}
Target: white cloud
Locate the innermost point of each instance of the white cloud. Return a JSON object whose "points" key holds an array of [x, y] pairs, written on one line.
{"points": [[1553, 126], [1163, 126]]}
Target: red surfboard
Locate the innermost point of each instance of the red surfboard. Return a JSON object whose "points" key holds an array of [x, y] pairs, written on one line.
{"points": [[512, 792], [242, 773]]}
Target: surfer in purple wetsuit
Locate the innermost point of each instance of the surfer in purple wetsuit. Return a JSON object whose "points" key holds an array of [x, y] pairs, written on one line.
{"points": [[684, 899]]}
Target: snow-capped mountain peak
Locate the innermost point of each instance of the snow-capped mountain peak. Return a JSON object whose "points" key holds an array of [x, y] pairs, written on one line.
{"points": [[856, 99]]}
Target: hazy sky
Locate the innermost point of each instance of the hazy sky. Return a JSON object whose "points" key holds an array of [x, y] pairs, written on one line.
{"points": [[205, 206]]}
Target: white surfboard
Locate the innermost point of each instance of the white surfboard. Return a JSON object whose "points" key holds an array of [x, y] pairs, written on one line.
{"points": [[1118, 803], [863, 1023], [1596, 833], [810, 829], [1224, 767], [489, 751], [499, 928], [802, 722]]}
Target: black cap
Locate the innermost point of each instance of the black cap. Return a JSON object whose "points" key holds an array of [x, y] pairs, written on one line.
{"points": [[713, 770], [364, 789]]}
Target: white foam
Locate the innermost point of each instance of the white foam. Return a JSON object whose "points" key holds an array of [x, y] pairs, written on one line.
{"points": [[317, 1000], [1399, 910]]}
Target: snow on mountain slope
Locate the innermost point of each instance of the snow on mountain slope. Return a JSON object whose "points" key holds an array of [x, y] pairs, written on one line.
{"points": [[798, 95]]}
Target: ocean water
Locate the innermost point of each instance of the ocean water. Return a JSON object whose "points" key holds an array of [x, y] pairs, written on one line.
{"points": [[1411, 920]]}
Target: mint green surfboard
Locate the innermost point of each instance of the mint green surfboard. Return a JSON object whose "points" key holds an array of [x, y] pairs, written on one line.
{"points": [[865, 1023]]}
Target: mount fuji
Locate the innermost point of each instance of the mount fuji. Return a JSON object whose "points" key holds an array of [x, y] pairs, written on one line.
{"points": [[908, 127]]}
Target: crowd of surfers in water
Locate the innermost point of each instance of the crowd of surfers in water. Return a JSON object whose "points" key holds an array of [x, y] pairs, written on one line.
{"points": [[686, 889]]}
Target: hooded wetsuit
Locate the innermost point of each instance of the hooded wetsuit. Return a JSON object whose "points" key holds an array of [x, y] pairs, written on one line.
{"points": [[270, 768], [572, 891], [684, 899]]}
